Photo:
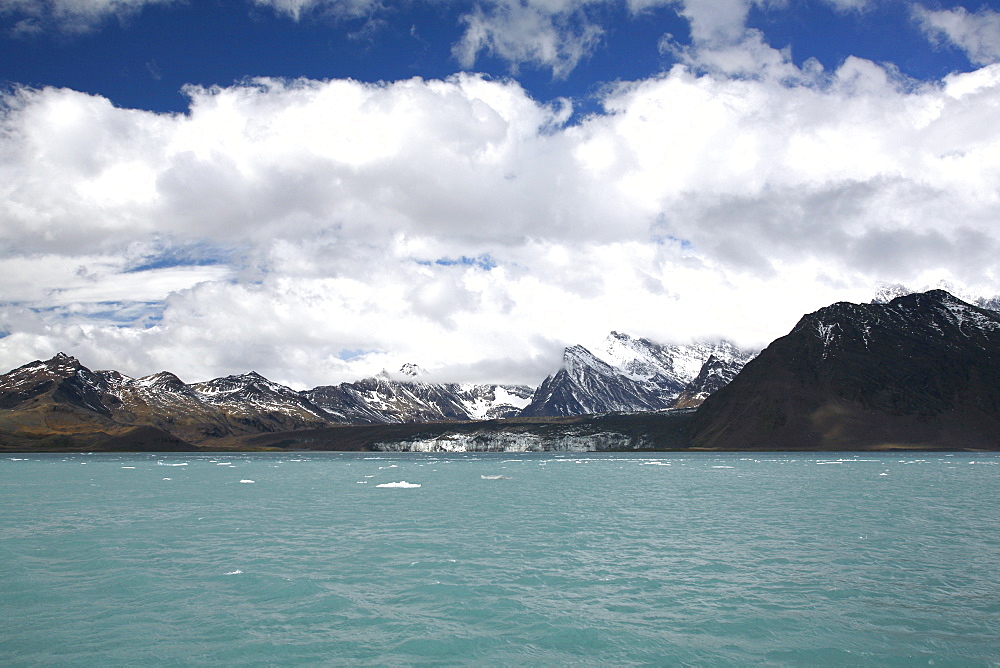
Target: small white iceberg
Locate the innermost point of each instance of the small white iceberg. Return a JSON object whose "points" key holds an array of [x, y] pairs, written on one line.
{"points": [[401, 483]]}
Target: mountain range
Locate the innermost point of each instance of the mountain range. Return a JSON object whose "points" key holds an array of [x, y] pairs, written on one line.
{"points": [[58, 399], [918, 370]]}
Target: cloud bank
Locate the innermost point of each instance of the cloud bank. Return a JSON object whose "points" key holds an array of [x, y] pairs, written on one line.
{"points": [[320, 231]]}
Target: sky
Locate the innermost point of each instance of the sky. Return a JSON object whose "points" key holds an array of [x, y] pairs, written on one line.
{"points": [[320, 190]]}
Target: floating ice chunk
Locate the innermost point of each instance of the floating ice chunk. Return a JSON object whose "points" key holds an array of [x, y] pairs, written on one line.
{"points": [[245, 480], [401, 483]]}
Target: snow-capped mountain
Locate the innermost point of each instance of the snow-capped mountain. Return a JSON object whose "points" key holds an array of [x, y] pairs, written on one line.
{"points": [[62, 394], [627, 374], [715, 374], [919, 371], [164, 401], [887, 292], [255, 402], [382, 400], [61, 379], [587, 384]]}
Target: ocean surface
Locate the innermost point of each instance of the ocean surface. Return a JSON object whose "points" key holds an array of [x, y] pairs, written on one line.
{"points": [[539, 559]]}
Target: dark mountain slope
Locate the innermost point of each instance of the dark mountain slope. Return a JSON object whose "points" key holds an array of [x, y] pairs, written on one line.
{"points": [[922, 370]]}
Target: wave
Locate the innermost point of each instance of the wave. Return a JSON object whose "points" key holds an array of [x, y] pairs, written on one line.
{"points": [[401, 483]]}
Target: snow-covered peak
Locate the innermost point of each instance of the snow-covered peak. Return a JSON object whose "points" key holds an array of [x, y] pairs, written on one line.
{"points": [[410, 369], [242, 384], [889, 292], [638, 359], [59, 364], [163, 379], [644, 361], [578, 360]]}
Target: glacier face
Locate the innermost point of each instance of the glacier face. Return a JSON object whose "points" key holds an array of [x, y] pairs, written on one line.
{"points": [[517, 442]]}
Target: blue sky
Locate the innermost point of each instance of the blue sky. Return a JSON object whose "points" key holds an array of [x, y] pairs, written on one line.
{"points": [[320, 189], [144, 57]]}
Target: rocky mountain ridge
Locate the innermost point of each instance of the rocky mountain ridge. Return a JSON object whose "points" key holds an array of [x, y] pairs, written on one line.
{"points": [[630, 375], [107, 402], [919, 371]]}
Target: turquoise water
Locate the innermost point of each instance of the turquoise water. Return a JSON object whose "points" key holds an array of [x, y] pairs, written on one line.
{"points": [[596, 559]]}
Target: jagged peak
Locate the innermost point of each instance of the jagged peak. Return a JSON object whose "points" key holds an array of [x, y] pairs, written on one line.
{"points": [[410, 369], [889, 292], [886, 292], [62, 359]]}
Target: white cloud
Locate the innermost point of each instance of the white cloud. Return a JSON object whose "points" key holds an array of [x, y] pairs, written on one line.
{"points": [[554, 34], [975, 33], [321, 231]]}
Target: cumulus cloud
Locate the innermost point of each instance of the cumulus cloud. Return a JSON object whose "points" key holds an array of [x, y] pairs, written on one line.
{"points": [[975, 33], [320, 231]]}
